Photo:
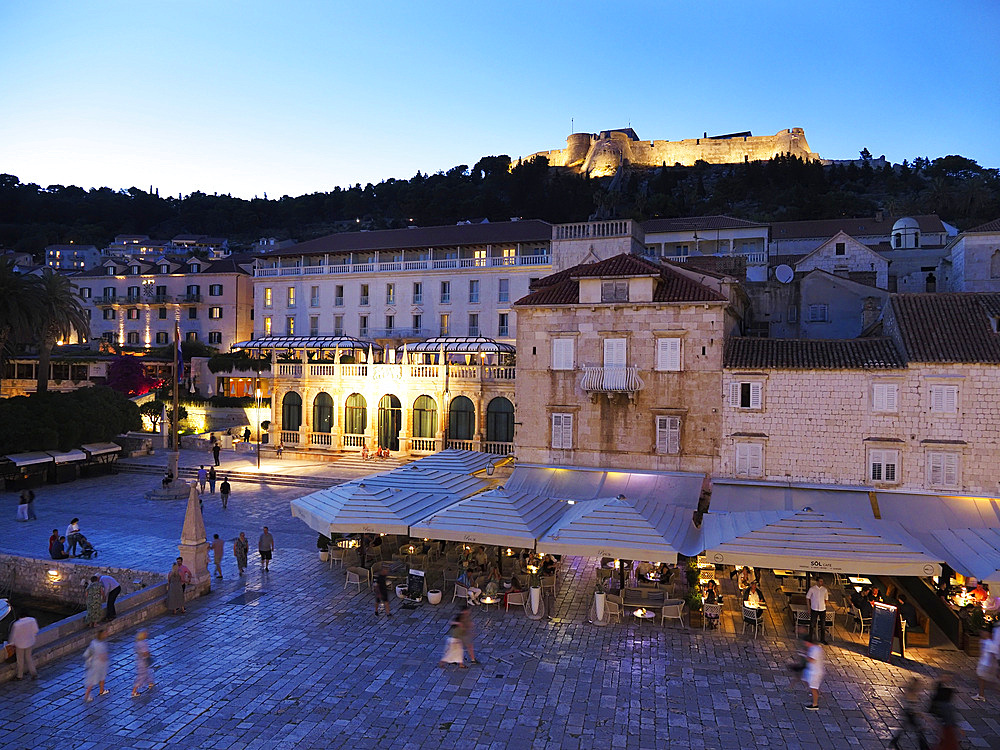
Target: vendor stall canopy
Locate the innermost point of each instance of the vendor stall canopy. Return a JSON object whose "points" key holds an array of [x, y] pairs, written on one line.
{"points": [[307, 342], [460, 345]]}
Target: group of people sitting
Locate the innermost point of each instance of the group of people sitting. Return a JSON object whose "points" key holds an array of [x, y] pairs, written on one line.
{"points": [[379, 453], [481, 575], [64, 546]]}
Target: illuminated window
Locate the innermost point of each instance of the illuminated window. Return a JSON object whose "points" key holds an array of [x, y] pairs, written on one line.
{"points": [[267, 325], [267, 297]]}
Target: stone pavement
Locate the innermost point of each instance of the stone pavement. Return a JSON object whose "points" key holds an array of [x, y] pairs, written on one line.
{"points": [[291, 658]]}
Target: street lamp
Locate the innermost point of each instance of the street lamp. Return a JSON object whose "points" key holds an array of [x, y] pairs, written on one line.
{"points": [[257, 418]]}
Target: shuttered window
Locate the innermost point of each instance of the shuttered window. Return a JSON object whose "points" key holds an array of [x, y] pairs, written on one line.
{"points": [[883, 466], [614, 291], [562, 354], [942, 469], [562, 431], [668, 435], [614, 353], [668, 354], [885, 397], [944, 399], [745, 395], [749, 459]]}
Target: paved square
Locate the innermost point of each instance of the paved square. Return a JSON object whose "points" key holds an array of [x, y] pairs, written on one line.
{"points": [[291, 658]]}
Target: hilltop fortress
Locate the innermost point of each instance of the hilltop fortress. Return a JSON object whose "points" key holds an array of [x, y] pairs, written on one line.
{"points": [[601, 154]]}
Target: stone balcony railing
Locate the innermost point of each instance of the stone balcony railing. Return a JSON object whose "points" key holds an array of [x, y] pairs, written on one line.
{"points": [[296, 370], [611, 380], [399, 266]]}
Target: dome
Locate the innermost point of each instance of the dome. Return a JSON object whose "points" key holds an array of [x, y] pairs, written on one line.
{"points": [[907, 222]]}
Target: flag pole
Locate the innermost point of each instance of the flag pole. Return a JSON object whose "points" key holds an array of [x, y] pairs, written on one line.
{"points": [[174, 460]]}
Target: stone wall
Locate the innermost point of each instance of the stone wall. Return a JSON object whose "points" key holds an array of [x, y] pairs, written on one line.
{"points": [[63, 580]]}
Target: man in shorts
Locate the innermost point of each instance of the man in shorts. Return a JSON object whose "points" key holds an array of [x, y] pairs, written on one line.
{"points": [[265, 545]]}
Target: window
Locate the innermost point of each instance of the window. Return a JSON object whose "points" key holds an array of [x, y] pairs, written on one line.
{"points": [[215, 313], [503, 290], [291, 296], [355, 414], [338, 325], [749, 460], [416, 324], [194, 268], [562, 353], [793, 314], [819, 314], [134, 270], [461, 419], [944, 399], [364, 295], [840, 248], [363, 326], [314, 296], [446, 292], [161, 293], [267, 325], [215, 290], [314, 325], [161, 337], [267, 297], [338, 296], [445, 320], [194, 293], [133, 337], [745, 395], [614, 291], [503, 324], [111, 270], [85, 292], [164, 268], [885, 397], [291, 412], [215, 337], [668, 435], [109, 292], [615, 353], [562, 431], [883, 466], [162, 313], [995, 265], [425, 417], [418, 293], [942, 469], [480, 257], [390, 294], [192, 313], [473, 291], [290, 325], [500, 421], [133, 292], [191, 336], [132, 313], [668, 354], [473, 324], [109, 314], [390, 323], [108, 336]]}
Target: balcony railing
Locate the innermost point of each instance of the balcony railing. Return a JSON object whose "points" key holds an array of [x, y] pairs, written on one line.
{"points": [[424, 445], [354, 441], [496, 449], [462, 445], [611, 380], [321, 438], [290, 437], [106, 300], [191, 298], [382, 371], [395, 266]]}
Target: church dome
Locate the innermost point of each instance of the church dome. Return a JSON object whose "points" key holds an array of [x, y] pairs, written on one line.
{"points": [[906, 222], [906, 233]]}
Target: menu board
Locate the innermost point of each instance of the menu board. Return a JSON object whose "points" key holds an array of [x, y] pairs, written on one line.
{"points": [[881, 633], [415, 584]]}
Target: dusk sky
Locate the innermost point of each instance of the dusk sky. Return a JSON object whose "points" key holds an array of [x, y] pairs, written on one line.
{"points": [[259, 97]]}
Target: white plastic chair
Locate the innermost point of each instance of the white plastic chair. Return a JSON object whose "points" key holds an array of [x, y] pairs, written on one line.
{"points": [[337, 555], [711, 613], [753, 617], [461, 592], [612, 609], [673, 612], [859, 621], [516, 598], [357, 576]]}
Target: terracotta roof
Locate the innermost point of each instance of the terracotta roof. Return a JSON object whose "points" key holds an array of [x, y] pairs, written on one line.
{"points": [[529, 230], [692, 223], [948, 326], [811, 354], [989, 226], [563, 288], [864, 226]]}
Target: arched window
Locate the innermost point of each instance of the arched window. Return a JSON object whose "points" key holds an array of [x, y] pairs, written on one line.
{"points": [[291, 411], [500, 421], [390, 419], [425, 417], [461, 419], [995, 265], [897, 240], [322, 413], [355, 415]]}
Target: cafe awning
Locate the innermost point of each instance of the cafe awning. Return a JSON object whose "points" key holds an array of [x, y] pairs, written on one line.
{"points": [[820, 541], [468, 462], [93, 450], [579, 484], [497, 517], [20, 460], [621, 527], [972, 552], [65, 457]]}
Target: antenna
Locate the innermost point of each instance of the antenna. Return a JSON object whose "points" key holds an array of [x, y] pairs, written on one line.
{"points": [[571, 125]]}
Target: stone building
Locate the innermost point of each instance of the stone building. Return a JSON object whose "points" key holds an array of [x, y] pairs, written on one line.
{"points": [[915, 409], [975, 259], [619, 365]]}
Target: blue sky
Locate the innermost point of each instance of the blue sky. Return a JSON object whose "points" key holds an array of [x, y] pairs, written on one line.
{"points": [[257, 97]]}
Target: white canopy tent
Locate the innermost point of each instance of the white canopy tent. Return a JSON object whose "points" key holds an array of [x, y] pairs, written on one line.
{"points": [[21, 460], [499, 517], [65, 457], [94, 450], [578, 484]]}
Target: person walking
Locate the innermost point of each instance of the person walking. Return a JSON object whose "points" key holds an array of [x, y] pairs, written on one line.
{"points": [[94, 595], [246, 434], [111, 589], [175, 590], [453, 653], [202, 479], [212, 476], [911, 716], [22, 637], [216, 450], [241, 548], [812, 675], [382, 589], [218, 548], [817, 596], [986, 668], [942, 709], [224, 489], [265, 546], [28, 501], [143, 664], [96, 660], [467, 632]]}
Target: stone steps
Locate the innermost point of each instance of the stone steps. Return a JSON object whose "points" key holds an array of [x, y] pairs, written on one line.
{"points": [[236, 476]]}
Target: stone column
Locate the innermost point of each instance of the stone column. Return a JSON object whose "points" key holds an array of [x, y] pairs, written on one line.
{"points": [[194, 546]]}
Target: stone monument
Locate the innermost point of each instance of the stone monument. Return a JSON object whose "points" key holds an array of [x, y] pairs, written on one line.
{"points": [[194, 545]]}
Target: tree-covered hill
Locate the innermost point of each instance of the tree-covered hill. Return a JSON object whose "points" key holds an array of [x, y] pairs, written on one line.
{"points": [[956, 188]]}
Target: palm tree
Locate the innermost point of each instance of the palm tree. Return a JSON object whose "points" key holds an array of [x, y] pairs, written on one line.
{"points": [[61, 313], [18, 305]]}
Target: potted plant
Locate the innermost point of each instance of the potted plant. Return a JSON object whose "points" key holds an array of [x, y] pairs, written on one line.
{"points": [[694, 604], [600, 597], [972, 627], [434, 596], [323, 545], [534, 587]]}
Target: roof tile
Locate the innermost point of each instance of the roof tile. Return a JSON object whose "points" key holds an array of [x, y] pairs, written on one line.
{"points": [[811, 354], [948, 326]]}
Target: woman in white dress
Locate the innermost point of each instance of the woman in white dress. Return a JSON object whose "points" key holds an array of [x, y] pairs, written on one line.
{"points": [[96, 660], [143, 663], [813, 673], [453, 651]]}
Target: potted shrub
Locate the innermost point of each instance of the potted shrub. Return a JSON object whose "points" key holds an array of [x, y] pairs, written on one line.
{"points": [[694, 604], [972, 628], [323, 545], [600, 597], [534, 587]]}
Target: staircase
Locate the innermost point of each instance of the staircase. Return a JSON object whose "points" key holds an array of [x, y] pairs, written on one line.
{"points": [[287, 480]]}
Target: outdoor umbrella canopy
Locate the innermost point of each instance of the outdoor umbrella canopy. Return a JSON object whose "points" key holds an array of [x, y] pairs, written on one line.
{"points": [[621, 528], [817, 541], [497, 517], [467, 462], [415, 477], [588, 484]]}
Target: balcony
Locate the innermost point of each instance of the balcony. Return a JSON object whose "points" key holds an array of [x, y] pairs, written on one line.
{"points": [[396, 266], [381, 371], [107, 300], [191, 299], [611, 381]]}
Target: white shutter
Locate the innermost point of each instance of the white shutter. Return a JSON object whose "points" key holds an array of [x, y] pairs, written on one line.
{"points": [[755, 394], [756, 467], [951, 398], [875, 473], [734, 395], [879, 397], [668, 435], [935, 473], [562, 431], [742, 458], [951, 469], [668, 354], [614, 352], [562, 354], [937, 398], [891, 397]]}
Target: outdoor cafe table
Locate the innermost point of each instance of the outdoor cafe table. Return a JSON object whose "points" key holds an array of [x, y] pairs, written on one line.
{"points": [[859, 581], [486, 601], [789, 574], [643, 613]]}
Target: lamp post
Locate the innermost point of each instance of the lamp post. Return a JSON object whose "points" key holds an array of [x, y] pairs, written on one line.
{"points": [[257, 418]]}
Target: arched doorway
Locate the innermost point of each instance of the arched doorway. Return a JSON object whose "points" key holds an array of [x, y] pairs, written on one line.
{"points": [[322, 413], [390, 419], [291, 412], [425, 417], [500, 421], [461, 419], [355, 415]]}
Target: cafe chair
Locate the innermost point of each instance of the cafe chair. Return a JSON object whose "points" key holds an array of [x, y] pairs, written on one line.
{"points": [[753, 617], [655, 598], [450, 573], [516, 598], [711, 613], [337, 555], [801, 617], [612, 609], [604, 574], [357, 576], [859, 621], [461, 592], [672, 612], [549, 582]]}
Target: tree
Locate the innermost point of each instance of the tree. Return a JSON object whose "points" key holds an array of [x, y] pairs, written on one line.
{"points": [[60, 313], [18, 306], [126, 374]]}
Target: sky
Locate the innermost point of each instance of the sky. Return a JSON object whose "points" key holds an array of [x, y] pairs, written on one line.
{"points": [[285, 98]]}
